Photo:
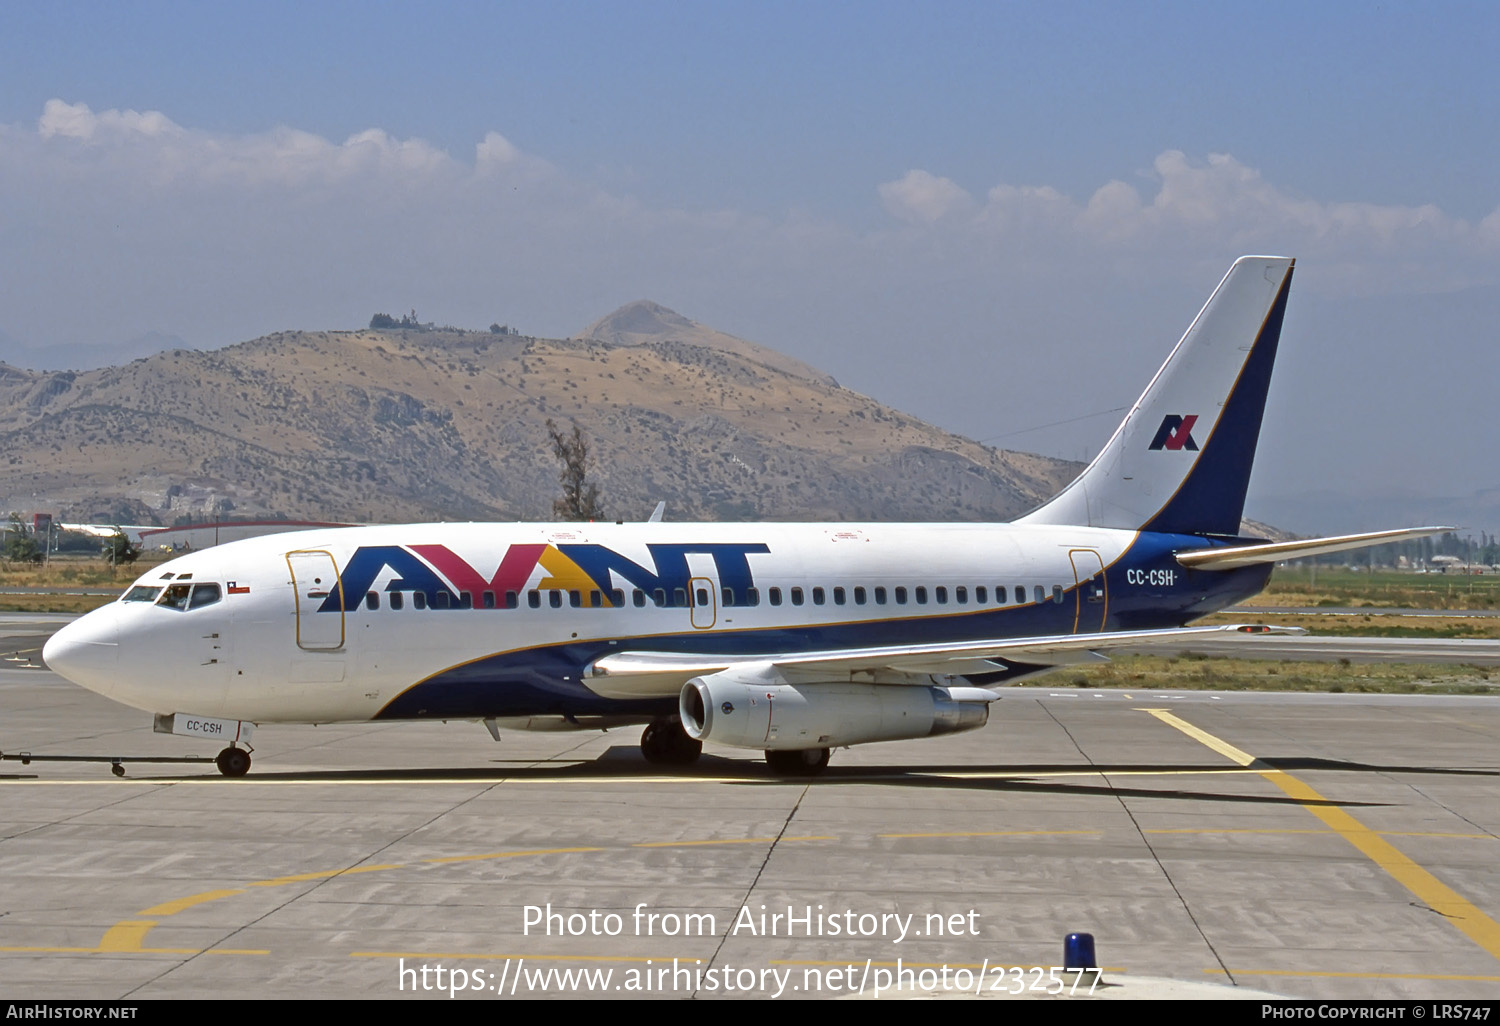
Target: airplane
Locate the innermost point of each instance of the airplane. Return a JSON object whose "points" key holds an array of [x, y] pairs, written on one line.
{"points": [[790, 639]]}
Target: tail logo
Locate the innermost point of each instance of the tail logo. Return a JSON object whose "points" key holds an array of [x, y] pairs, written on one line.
{"points": [[1175, 433]]}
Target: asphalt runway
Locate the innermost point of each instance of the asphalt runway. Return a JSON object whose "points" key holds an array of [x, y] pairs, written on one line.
{"points": [[1308, 845]]}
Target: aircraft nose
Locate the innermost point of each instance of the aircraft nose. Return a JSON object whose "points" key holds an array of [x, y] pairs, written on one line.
{"points": [[87, 650]]}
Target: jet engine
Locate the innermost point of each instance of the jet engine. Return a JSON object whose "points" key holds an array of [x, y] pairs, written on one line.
{"points": [[730, 710]]}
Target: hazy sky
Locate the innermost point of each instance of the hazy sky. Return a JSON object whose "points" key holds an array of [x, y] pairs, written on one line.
{"points": [[995, 216]]}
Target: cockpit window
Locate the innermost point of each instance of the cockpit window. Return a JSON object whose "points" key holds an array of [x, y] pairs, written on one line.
{"points": [[176, 596], [189, 596], [141, 593]]}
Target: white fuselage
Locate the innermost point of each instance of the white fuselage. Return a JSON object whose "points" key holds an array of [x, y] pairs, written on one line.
{"points": [[503, 619]]}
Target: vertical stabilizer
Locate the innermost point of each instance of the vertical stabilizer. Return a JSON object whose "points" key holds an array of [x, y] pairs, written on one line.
{"points": [[1180, 462]]}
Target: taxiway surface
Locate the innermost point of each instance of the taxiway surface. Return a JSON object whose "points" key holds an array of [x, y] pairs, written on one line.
{"points": [[1310, 845]]}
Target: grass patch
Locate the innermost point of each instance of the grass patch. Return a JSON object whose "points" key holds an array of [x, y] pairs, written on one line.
{"points": [[1296, 585], [1196, 672]]}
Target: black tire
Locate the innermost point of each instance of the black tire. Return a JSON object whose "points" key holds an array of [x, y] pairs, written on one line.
{"points": [[798, 762], [233, 762], [665, 743]]}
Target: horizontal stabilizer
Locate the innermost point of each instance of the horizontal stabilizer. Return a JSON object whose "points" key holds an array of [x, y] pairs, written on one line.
{"points": [[1275, 552], [658, 674]]}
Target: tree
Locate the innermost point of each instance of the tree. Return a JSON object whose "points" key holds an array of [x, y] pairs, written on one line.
{"points": [[117, 549], [580, 498], [20, 547], [383, 322]]}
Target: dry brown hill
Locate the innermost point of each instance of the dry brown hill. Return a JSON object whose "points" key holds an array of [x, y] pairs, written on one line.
{"points": [[393, 426], [644, 322]]}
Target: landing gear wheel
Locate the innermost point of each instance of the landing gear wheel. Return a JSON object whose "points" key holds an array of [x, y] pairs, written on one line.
{"points": [[233, 762], [665, 743], [800, 762]]}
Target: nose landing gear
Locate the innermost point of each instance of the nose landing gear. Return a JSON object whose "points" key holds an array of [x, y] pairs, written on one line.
{"points": [[233, 762]]}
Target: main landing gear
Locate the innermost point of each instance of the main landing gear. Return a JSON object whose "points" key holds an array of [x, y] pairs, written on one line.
{"points": [[233, 762], [800, 762], [665, 743]]}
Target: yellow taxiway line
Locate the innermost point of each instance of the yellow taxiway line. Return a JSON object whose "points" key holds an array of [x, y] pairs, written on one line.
{"points": [[1435, 894]]}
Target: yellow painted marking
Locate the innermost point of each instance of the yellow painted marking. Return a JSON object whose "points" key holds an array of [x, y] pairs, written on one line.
{"points": [[935, 965], [1354, 976], [1212, 830], [303, 877], [747, 840], [134, 951], [126, 935], [171, 908], [1435, 894], [529, 958], [1224, 748], [999, 833], [1382, 833], [1054, 774], [510, 854]]}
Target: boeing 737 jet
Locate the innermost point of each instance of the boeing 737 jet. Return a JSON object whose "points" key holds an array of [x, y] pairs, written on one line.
{"points": [[791, 639]]}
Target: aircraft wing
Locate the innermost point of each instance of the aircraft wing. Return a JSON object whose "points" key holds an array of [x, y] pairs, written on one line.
{"points": [[1273, 552], [661, 674]]}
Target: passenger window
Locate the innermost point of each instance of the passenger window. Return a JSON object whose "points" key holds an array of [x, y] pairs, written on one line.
{"points": [[440, 599], [728, 597], [639, 598], [419, 600], [372, 600], [796, 596], [921, 594], [396, 600], [1040, 593], [659, 596], [204, 595], [752, 596], [534, 599], [817, 596], [701, 596], [554, 598], [617, 597], [981, 595], [489, 600], [880, 595], [466, 600], [838, 596], [859, 596], [775, 595], [900, 596], [941, 594], [1057, 593], [575, 599], [961, 595]]}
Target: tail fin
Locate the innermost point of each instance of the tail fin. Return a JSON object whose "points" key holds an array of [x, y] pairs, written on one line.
{"points": [[1180, 461]]}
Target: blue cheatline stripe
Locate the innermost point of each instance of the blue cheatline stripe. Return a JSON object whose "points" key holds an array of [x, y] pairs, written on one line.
{"points": [[544, 680]]}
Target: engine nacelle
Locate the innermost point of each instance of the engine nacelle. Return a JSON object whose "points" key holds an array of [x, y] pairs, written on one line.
{"points": [[730, 710]]}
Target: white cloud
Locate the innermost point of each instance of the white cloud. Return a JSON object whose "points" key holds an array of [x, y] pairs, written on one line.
{"points": [[920, 197], [76, 121]]}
